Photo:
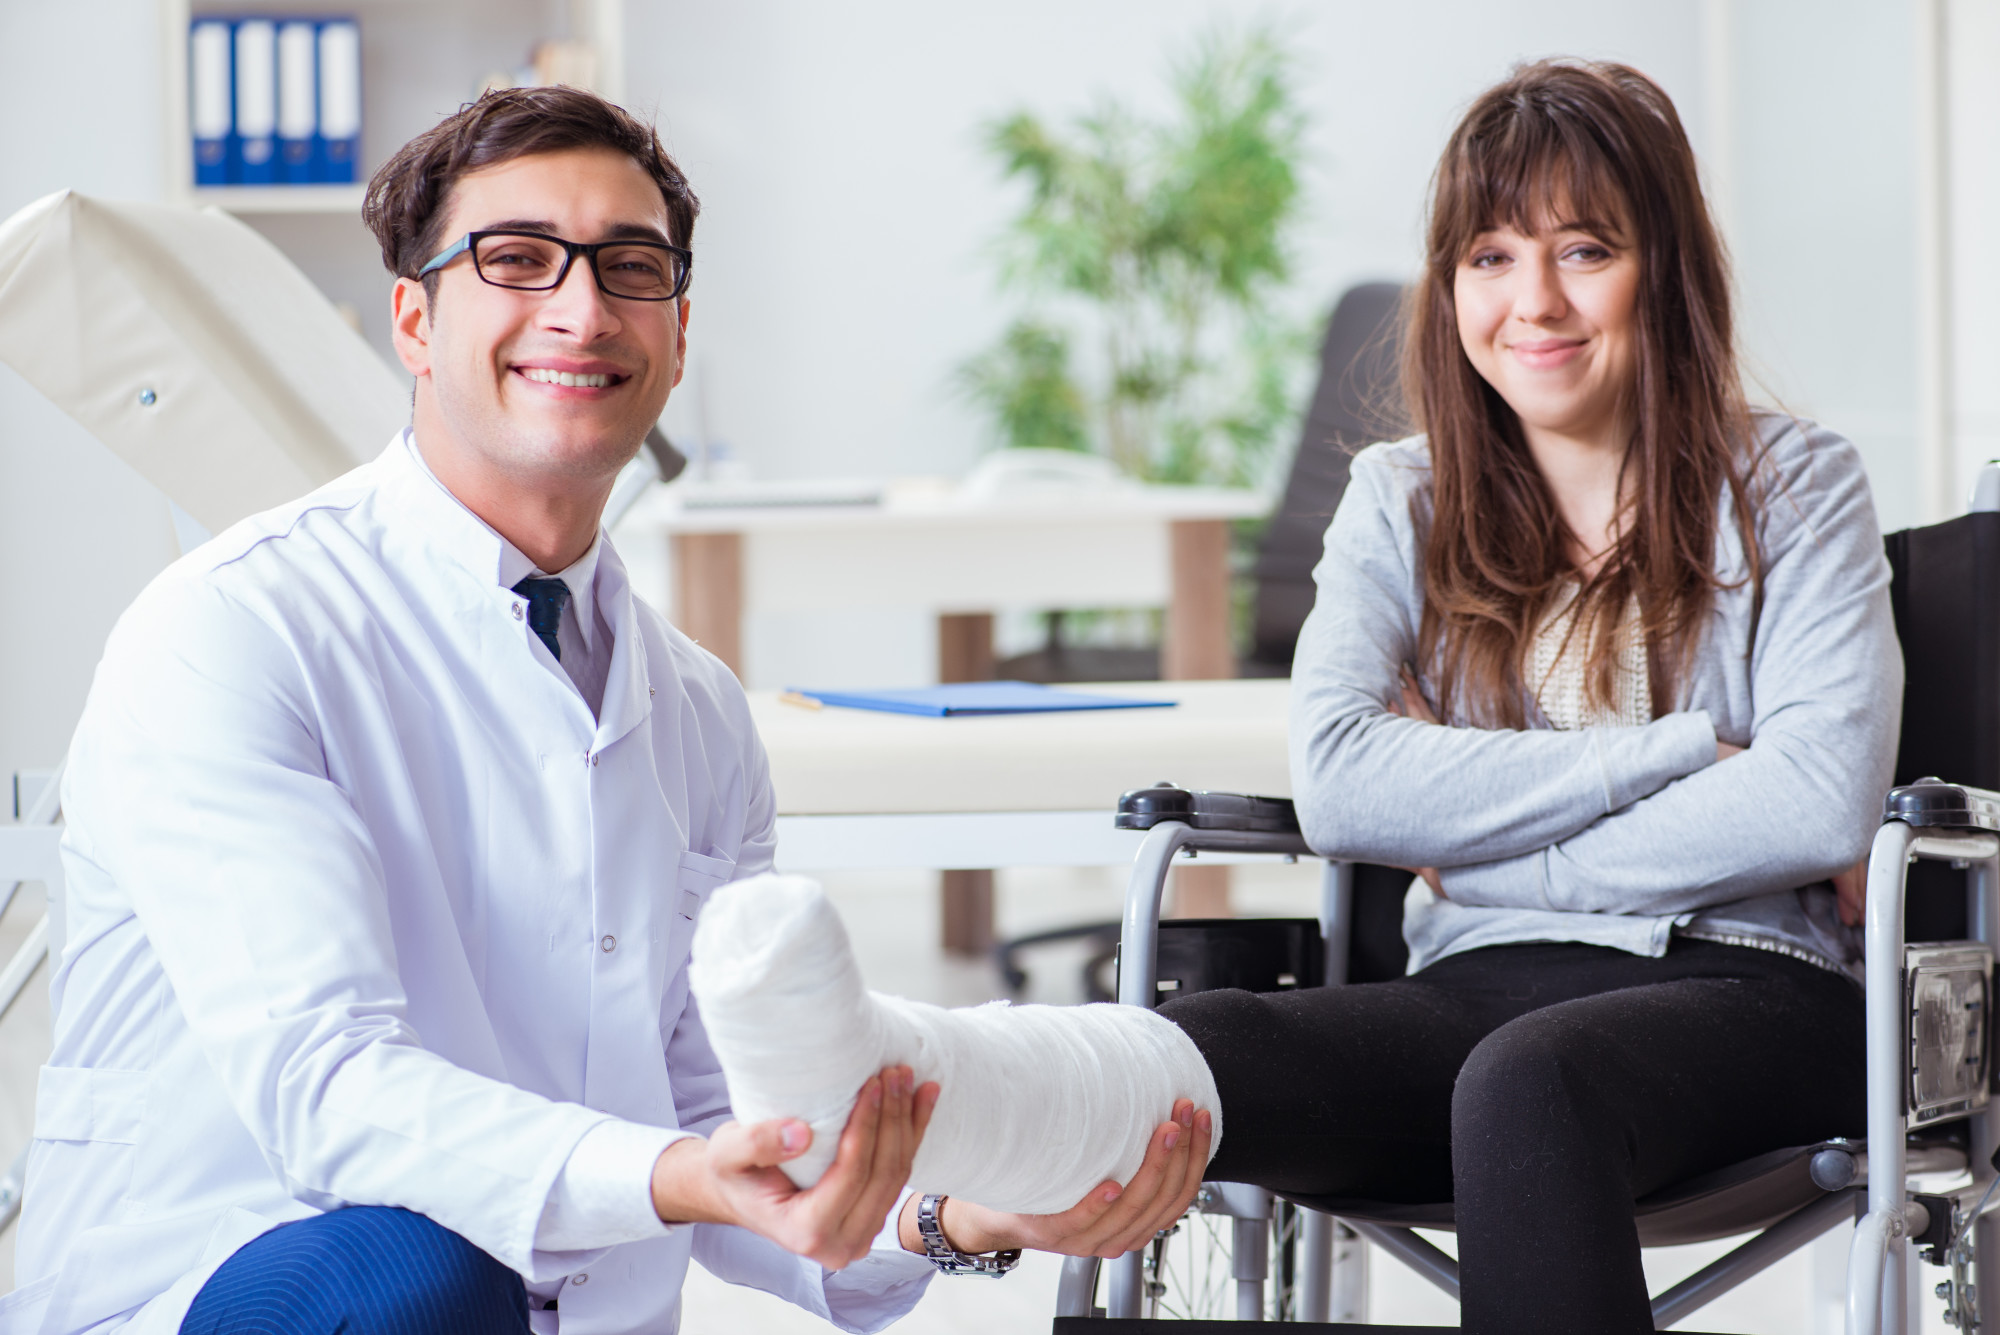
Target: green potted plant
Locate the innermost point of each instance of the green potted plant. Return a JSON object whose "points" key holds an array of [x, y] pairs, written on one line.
{"points": [[1149, 254]]}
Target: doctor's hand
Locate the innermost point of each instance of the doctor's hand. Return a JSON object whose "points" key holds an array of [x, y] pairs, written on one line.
{"points": [[1108, 1222], [733, 1177]]}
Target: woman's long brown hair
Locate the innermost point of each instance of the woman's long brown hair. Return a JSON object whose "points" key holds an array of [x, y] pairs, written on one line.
{"points": [[1561, 140]]}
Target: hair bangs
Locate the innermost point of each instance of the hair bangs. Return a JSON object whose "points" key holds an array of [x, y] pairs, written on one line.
{"points": [[1535, 170]]}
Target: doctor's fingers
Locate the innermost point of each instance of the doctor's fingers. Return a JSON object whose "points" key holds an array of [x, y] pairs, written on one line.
{"points": [[906, 1115], [1152, 1199], [816, 1224], [841, 1193], [905, 1111], [851, 1202]]}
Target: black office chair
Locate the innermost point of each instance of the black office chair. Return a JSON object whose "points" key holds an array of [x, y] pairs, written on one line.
{"points": [[1934, 877], [1353, 405]]}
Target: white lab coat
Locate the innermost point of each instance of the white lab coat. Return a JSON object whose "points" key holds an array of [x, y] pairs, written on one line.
{"points": [[365, 908]]}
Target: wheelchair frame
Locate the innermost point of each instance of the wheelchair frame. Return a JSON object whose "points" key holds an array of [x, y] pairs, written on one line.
{"points": [[1928, 820]]}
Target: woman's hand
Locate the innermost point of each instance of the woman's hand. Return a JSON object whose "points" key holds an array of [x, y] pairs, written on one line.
{"points": [[1850, 888], [1108, 1222], [1412, 705], [733, 1177]]}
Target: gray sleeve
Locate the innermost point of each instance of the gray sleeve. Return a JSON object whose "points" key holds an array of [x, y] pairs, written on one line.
{"points": [[1802, 802], [1374, 787]]}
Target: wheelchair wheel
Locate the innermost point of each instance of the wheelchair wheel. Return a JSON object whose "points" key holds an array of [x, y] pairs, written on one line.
{"points": [[1192, 1271]]}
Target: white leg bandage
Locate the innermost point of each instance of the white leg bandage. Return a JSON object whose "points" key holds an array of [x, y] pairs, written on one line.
{"points": [[1039, 1103]]}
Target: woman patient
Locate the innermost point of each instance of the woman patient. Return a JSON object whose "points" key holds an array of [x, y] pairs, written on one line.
{"points": [[1606, 659]]}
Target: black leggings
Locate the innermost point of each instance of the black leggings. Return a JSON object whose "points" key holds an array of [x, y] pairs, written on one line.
{"points": [[1541, 1087]]}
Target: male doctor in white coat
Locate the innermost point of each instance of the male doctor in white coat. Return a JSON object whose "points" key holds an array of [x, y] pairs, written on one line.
{"points": [[389, 819]]}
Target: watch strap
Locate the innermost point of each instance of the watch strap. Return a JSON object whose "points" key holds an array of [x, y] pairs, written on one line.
{"points": [[948, 1259]]}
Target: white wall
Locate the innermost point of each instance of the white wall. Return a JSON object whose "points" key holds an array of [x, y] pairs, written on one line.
{"points": [[1821, 215], [840, 273], [1973, 39], [80, 532]]}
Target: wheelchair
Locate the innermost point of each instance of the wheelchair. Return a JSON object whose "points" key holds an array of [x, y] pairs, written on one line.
{"points": [[1931, 928]]}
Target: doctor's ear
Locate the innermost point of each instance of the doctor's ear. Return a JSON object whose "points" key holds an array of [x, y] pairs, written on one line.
{"points": [[410, 325]]}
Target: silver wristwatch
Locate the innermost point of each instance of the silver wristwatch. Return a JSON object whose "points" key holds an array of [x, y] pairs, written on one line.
{"points": [[948, 1259]]}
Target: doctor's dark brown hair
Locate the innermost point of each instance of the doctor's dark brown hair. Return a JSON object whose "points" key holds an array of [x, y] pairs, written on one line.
{"points": [[406, 202], [1568, 141]]}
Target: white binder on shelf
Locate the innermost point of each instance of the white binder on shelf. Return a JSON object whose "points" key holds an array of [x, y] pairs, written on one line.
{"points": [[210, 116], [339, 142], [256, 155], [298, 101]]}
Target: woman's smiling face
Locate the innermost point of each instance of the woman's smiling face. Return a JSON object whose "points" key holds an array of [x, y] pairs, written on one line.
{"points": [[1549, 318]]}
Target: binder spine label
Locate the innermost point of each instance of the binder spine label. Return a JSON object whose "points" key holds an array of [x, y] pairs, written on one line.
{"points": [[210, 118], [339, 100], [298, 101], [256, 102]]}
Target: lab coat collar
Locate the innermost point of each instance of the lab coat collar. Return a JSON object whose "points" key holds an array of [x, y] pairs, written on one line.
{"points": [[452, 531], [628, 687]]}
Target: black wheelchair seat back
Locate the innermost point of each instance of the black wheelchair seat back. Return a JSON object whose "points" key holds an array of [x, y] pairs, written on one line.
{"points": [[1944, 580]]}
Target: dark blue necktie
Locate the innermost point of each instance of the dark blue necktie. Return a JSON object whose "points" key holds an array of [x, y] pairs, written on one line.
{"points": [[546, 600]]}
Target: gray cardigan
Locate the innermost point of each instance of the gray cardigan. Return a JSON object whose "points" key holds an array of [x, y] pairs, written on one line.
{"points": [[1617, 836]]}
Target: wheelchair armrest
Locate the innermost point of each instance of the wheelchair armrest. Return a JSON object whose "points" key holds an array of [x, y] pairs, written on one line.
{"points": [[1143, 808], [1931, 803]]}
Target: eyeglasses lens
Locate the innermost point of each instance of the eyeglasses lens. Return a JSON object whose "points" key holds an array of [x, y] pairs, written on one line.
{"points": [[646, 272], [637, 270]]}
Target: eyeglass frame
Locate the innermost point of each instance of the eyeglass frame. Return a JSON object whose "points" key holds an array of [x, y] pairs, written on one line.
{"points": [[468, 243]]}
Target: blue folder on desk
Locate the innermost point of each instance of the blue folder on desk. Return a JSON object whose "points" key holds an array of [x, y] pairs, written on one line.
{"points": [[978, 697]]}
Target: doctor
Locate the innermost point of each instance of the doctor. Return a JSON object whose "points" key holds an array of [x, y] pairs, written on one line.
{"points": [[389, 819]]}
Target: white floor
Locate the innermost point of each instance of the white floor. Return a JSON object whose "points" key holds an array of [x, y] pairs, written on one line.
{"points": [[893, 920]]}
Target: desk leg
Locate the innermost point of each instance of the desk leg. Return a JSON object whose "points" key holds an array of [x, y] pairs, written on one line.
{"points": [[1198, 648], [1200, 892], [965, 646], [966, 901], [708, 593], [965, 898]]}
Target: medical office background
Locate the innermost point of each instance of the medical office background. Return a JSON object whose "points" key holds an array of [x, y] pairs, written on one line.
{"points": [[845, 254]]}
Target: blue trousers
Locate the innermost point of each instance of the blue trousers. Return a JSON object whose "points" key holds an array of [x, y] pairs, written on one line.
{"points": [[367, 1270]]}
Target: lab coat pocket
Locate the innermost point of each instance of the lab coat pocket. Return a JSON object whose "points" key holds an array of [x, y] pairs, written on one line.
{"points": [[84, 1103], [699, 875]]}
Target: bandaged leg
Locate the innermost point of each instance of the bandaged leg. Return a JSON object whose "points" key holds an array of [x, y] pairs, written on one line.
{"points": [[1039, 1103]]}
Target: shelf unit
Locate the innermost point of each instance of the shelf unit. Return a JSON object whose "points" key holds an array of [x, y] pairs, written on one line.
{"points": [[279, 198], [419, 60]]}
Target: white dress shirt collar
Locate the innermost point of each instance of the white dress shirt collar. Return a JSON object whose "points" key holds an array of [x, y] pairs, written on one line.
{"points": [[580, 576]]}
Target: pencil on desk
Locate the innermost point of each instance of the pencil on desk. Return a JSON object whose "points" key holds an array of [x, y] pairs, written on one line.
{"points": [[801, 700]]}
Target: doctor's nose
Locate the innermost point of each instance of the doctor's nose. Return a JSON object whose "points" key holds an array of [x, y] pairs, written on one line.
{"points": [[579, 307]]}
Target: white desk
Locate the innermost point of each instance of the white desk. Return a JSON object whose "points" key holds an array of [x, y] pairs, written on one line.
{"points": [[956, 552], [861, 789]]}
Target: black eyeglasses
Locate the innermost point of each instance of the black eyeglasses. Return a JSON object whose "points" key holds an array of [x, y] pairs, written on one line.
{"points": [[537, 262]]}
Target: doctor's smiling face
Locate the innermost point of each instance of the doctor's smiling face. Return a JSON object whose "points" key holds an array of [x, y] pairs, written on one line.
{"points": [[534, 399]]}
